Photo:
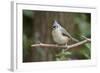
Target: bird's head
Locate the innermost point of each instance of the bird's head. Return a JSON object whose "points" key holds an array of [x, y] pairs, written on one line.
{"points": [[55, 24]]}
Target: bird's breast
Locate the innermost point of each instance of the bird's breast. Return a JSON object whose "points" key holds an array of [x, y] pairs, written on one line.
{"points": [[58, 37]]}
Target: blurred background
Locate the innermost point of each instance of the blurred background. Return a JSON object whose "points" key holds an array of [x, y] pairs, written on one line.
{"points": [[37, 27]]}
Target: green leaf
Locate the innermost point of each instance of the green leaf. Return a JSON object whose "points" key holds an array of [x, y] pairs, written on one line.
{"points": [[88, 45]]}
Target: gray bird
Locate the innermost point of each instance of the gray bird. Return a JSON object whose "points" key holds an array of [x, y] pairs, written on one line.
{"points": [[60, 35]]}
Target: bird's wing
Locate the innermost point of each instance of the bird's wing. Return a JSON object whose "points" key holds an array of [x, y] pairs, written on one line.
{"points": [[67, 34]]}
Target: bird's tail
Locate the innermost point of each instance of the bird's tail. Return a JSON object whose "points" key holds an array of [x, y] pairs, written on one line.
{"points": [[74, 39]]}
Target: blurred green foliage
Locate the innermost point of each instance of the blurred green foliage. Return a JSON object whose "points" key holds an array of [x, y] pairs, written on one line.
{"points": [[63, 55], [27, 35]]}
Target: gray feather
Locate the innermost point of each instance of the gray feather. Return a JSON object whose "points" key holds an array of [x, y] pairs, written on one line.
{"points": [[67, 34]]}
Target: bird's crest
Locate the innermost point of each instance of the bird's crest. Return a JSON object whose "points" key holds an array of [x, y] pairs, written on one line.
{"points": [[56, 24]]}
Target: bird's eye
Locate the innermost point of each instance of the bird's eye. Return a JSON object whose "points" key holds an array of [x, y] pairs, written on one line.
{"points": [[54, 26]]}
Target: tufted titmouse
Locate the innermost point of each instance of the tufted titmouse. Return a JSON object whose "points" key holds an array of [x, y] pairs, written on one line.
{"points": [[60, 35]]}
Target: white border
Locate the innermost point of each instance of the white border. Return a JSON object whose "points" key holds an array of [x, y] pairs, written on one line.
{"points": [[17, 63]]}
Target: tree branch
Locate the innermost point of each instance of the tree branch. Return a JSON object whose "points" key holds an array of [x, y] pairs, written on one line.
{"points": [[64, 47]]}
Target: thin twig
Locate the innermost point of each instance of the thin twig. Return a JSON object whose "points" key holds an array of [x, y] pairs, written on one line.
{"points": [[63, 46], [86, 38], [78, 44]]}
